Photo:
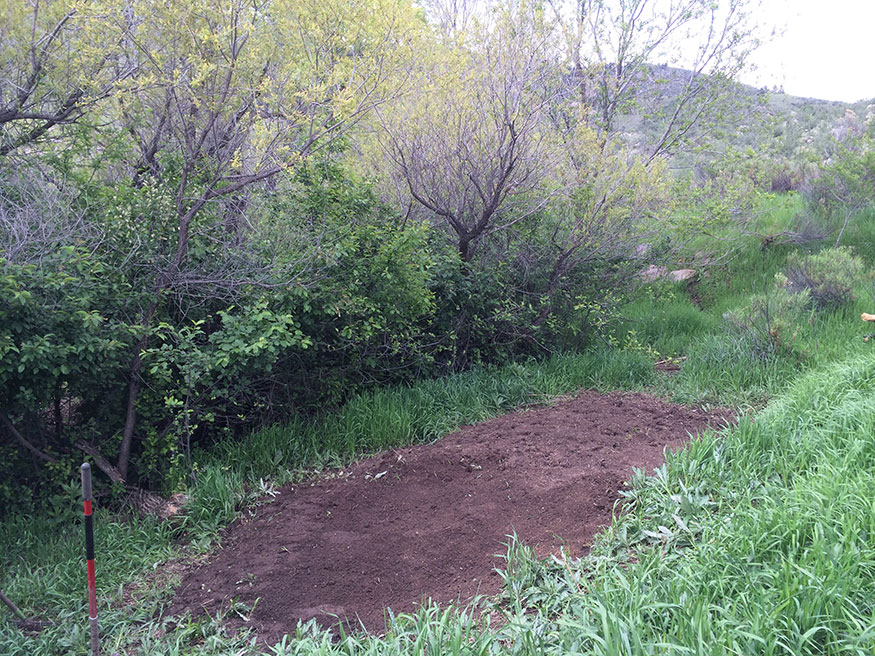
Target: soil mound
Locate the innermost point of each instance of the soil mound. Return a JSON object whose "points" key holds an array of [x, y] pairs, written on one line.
{"points": [[427, 521]]}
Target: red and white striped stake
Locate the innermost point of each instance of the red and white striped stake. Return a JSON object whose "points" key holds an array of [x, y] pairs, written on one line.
{"points": [[89, 557]]}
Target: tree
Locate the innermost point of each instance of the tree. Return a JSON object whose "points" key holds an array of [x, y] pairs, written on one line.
{"points": [[221, 99], [622, 117], [612, 48], [468, 144], [452, 17], [554, 159], [239, 96], [58, 59]]}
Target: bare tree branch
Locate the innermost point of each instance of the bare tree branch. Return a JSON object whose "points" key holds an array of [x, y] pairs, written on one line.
{"points": [[10, 428]]}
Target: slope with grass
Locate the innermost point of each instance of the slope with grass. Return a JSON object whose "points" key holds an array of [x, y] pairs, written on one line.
{"points": [[759, 539]]}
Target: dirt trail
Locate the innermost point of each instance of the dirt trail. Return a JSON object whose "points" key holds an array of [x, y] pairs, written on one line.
{"points": [[427, 521]]}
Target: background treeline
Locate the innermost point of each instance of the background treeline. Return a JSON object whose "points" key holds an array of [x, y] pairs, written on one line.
{"points": [[219, 215]]}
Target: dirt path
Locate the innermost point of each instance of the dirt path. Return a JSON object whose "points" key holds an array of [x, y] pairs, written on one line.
{"points": [[426, 521]]}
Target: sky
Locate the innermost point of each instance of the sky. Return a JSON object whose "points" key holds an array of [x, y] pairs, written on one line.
{"points": [[827, 49]]}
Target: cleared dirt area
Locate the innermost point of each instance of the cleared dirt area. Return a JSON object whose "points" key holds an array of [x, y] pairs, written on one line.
{"points": [[426, 522]]}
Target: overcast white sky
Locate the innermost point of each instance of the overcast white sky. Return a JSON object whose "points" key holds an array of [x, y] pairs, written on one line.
{"points": [[827, 49]]}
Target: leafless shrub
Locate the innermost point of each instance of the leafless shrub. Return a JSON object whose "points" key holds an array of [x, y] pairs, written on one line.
{"points": [[38, 214]]}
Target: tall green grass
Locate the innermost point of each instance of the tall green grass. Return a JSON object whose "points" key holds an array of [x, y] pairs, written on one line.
{"points": [[43, 560], [758, 540], [860, 231], [720, 365], [42, 557], [392, 417]]}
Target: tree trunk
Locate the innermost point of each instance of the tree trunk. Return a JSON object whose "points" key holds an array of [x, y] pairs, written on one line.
{"points": [[135, 383], [465, 249]]}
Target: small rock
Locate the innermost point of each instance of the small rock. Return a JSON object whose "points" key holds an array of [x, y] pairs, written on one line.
{"points": [[679, 275], [642, 250], [652, 272]]}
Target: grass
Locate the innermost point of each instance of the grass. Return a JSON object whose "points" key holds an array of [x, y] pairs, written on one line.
{"points": [[42, 556], [392, 417], [44, 575], [769, 542], [721, 365], [756, 540]]}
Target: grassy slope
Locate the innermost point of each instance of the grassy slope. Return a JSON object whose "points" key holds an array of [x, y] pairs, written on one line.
{"points": [[761, 540]]}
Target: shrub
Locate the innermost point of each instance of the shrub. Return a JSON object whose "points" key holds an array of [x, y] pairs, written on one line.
{"points": [[770, 324], [829, 276]]}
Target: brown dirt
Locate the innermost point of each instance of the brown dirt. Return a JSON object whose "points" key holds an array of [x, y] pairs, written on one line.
{"points": [[426, 521]]}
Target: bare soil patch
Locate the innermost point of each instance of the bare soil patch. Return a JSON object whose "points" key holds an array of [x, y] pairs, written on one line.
{"points": [[426, 521]]}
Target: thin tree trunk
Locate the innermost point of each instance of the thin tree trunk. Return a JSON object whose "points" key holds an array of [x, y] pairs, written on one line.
{"points": [[7, 423], [135, 380], [845, 225], [134, 385]]}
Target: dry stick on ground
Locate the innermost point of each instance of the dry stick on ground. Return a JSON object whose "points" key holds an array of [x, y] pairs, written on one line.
{"points": [[10, 427], [11, 606], [20, 620]]}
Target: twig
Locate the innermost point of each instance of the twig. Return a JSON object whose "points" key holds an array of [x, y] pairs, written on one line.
{"points": [[671, 360], [10, 427], [11, 606]]}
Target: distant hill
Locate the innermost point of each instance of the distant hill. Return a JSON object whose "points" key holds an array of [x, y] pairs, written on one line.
{"points": [[784, 126]]}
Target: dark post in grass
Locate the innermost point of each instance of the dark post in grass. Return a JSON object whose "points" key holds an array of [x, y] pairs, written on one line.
{"points": [[89, 556]]}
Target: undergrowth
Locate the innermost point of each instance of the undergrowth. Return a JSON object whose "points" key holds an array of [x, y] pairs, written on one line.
{"points": [[42, 556], [759, 539]]}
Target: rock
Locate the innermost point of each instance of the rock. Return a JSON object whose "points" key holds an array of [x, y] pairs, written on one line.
{"points": [[642, 250], [679, 275], [174, 506], [652, 272]]}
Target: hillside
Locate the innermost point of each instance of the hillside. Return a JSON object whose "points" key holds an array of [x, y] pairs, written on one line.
{"points": [[769, 120]]}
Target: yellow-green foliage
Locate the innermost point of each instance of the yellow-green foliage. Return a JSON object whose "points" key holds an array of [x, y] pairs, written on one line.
{"points": [[286, 71], [829, 276]]}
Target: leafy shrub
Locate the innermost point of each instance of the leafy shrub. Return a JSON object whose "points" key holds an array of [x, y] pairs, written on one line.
{"points": [[829, 277], [324, 295], [770, 323], [62, 342]]}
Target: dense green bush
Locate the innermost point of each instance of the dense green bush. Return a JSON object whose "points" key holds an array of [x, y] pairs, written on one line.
{"points": [[828, 277], [324, 295], [226, 344], [63, 341]]}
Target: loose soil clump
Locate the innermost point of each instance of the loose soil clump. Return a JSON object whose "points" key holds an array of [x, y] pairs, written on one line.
{"points": [[427, 521]]}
